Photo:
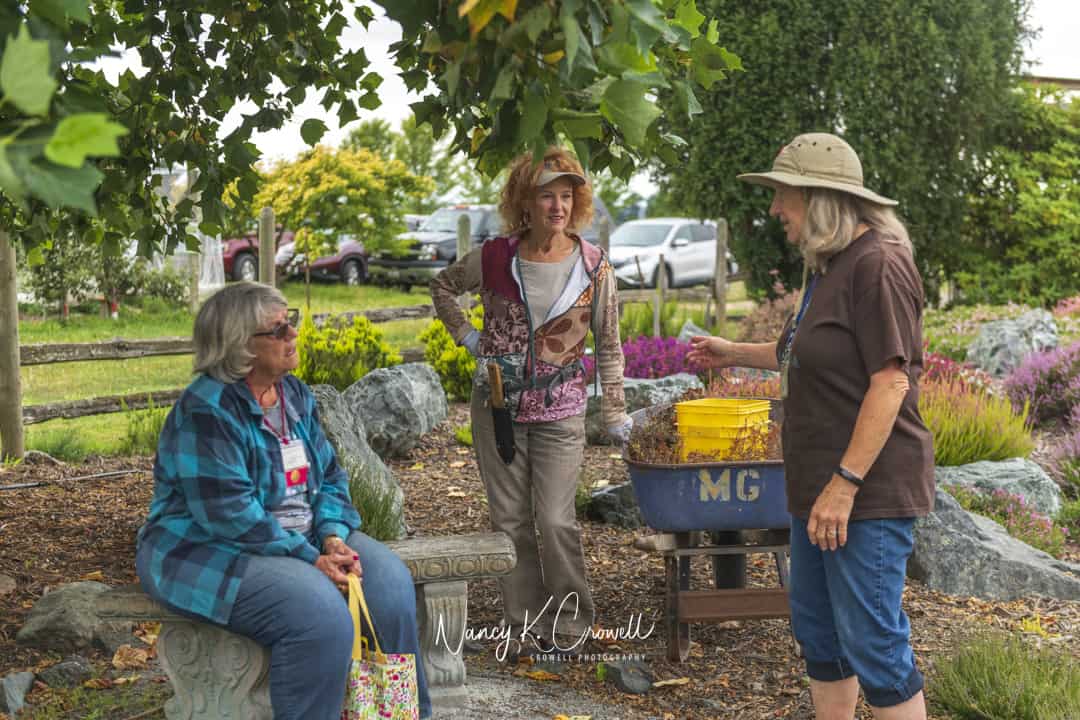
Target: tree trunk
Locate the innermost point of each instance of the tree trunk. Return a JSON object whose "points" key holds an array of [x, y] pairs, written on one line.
{"points": [[11, 427]]}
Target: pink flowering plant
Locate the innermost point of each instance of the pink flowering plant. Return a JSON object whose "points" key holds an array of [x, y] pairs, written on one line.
{"points": [[1048, 383], [651, 357], [1064, 464], [1068, 307], [938, 367], [1012, 512]]}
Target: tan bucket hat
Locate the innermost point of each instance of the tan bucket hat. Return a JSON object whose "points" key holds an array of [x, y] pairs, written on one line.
{"points": [[817, 160]]}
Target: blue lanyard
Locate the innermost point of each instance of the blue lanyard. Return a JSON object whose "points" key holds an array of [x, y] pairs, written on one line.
{"points": [[799, 316]]}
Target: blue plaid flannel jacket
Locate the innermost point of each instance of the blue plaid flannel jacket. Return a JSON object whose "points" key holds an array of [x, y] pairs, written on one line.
{"points": [[218, 469]]}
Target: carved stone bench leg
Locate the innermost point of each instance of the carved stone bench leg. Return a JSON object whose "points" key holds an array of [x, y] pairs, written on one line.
{"points": [[443, 611], [214, 673]]}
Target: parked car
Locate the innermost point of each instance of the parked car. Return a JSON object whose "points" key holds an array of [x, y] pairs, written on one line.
{"points": [[240, 255], [688, 247], [349, 263], [414, 221], [434, 244]]}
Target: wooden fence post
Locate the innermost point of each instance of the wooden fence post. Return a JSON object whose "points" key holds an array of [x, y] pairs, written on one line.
{"points": [[464, 245], [661, 291], [604, 236], [11, 426], [194, 265], [720, 274], [266, 246]]}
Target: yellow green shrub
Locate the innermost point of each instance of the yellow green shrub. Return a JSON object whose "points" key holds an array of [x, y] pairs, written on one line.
{"points": [[340, 353], [454, 363], [970, 424]]}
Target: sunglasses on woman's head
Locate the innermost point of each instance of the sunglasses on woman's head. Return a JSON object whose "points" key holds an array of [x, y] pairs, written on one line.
{"points": [[280, 330]]}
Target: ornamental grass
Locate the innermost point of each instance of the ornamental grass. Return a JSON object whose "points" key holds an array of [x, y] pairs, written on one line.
{"points": [[969, 425]]}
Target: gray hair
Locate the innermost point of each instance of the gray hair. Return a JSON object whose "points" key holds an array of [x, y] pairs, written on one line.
{"points": [[225, 324], [831, 219]]}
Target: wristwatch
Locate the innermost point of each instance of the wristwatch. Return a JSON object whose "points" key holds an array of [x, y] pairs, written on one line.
{"points": [[848, 475]]}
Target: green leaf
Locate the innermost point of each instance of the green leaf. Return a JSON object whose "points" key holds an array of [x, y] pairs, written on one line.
{"points": [[626, 107], [335, 26], [84, 134], [647, 24], [58, 186], [58, 12], [620, 57], [712, 34], [687, 98], [710, 64], [579, 125], [534, 115], [688, 17], [312, 130], [571, 29], [35, 257], [504, 85], [25, 79], [10, 183]]}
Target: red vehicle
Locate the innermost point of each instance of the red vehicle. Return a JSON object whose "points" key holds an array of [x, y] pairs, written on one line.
{"points": [[241, 255], [348, 263]]}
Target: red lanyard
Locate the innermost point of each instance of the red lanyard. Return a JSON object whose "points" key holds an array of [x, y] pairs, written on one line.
{"points": [[283, 436]]}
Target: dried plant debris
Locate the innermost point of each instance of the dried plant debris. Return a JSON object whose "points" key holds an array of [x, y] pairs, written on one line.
{"points": [[657, 441]]}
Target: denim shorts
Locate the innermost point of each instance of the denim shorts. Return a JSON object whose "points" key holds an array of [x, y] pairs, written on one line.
{"points": [[845, 608]]}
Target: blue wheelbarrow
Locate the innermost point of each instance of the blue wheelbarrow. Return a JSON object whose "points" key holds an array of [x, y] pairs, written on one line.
{"points": [[742, 507]]}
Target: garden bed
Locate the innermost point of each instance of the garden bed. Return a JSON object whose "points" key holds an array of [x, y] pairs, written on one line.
{"points": [[65, 531]]}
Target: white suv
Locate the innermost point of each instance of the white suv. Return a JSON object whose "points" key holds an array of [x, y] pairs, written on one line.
{"points": [[688, 247]]}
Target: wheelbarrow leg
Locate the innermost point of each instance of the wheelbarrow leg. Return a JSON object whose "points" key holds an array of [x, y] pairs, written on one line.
{"points": [[677, 576], [729, 571]]}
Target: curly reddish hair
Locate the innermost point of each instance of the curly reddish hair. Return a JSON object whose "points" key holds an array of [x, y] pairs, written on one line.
{"points": [[521, 184]]}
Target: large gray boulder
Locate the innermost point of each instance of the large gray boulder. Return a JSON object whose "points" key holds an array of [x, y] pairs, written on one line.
{"points": [[961, 553], [66, 619], [1003, 344], [1016, 476], [398, 405], [368, 476], [640, 393]]}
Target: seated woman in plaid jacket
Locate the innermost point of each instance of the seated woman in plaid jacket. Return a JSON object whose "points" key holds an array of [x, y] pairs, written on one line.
{"points": [[251, 526]]}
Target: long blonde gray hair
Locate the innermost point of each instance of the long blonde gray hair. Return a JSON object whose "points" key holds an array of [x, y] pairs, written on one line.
{"points": [[831, 220]]}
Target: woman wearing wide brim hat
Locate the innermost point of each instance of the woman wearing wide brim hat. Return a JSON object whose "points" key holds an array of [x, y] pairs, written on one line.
{"points": [[858, 459]]}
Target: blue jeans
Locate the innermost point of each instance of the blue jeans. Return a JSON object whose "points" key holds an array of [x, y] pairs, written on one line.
{"points": [[290, 607], [845, 608]]}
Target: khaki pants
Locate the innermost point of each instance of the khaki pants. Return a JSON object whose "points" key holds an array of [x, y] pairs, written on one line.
{"points": [[536, 493]]}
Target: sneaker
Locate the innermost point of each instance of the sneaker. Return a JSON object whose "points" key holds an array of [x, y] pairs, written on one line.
{"points": [[655, 543]]}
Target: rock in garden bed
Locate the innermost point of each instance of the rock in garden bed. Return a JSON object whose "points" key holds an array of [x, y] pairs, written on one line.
{"points": [[961, 553], [1016, 476], [1002, 344]]}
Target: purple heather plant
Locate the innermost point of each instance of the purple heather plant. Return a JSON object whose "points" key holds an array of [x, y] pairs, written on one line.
{"points": [[1013, 513], [1064, 461], [1068, 307], [1049, 382], [651, 357]]}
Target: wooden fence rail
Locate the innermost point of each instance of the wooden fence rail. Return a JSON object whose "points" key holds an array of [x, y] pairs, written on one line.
{"points": [[134, 401]]}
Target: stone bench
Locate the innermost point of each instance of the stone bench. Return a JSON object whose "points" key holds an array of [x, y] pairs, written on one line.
{"points": [[218, 674]]}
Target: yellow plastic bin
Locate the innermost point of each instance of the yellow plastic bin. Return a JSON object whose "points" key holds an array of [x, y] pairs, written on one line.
{"points": [[710, 425]]}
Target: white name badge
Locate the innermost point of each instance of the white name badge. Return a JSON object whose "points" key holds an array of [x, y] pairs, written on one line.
{"points": [[295, 460]]}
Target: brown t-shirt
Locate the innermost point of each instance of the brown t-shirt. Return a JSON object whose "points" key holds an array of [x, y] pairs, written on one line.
{"points": [[864, 311]]}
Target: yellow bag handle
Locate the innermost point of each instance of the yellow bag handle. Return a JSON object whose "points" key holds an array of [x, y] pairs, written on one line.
{"points": [[356, 604]]}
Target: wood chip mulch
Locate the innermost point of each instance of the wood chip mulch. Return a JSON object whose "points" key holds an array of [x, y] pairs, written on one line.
{"points": [[66, 530]]}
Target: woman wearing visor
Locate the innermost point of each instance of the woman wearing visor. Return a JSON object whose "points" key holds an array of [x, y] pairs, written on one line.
{"points": [[543, 288]]}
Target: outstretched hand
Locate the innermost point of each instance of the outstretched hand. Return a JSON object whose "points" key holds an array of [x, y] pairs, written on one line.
{"points": [[711, 352]]}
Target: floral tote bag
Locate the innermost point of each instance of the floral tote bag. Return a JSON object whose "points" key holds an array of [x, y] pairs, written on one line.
{"points": [[380, 686]]}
